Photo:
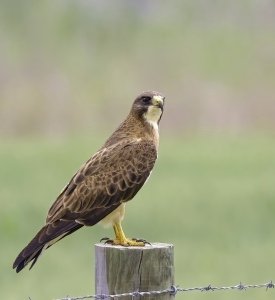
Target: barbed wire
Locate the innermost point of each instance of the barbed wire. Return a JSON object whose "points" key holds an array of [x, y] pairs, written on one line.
{"points": [[173, 290]]}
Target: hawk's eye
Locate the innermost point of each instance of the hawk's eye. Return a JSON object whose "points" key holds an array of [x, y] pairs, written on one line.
{"points": [[146, 99]]}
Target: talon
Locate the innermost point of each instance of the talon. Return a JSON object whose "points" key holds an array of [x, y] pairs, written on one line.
{"points": [[111, 242], [104, 239], [129, 242], [121, 239], [142, 241]]}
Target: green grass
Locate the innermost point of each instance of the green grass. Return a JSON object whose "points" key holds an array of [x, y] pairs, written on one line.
{"points": [[211, 196]]}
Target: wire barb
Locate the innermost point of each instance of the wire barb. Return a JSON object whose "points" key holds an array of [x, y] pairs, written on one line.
{"points": [[270, 285], [173, 290], [241, 287], [207, 288]]}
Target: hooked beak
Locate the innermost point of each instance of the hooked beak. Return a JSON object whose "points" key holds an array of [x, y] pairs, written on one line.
{"points": [[158, 101]]}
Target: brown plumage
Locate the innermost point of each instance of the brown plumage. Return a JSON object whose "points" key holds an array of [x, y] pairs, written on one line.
{"points": [[111, 177]]}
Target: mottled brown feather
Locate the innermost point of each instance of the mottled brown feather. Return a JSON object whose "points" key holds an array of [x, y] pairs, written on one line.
{"points": [[110, 177], [101, 189]]}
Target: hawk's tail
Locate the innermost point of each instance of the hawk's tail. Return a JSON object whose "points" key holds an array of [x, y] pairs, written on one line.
{"points": [[46, 237]]}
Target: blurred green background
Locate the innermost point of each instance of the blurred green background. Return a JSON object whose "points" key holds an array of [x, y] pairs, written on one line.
{"points": [[69, 71]]}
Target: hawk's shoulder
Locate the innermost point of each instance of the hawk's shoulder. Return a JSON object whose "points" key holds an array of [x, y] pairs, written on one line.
{"points": [[112, 175]]}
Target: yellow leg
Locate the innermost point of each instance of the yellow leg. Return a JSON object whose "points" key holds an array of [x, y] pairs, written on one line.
{"points": [[121, 238]]}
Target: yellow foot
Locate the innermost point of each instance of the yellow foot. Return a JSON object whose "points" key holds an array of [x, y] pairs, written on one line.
{"points": [[129, 242], [125, 242], [122, 240]]}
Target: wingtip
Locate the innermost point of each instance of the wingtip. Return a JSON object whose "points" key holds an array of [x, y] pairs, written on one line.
{"points": [[15, 264], [18, 266]]}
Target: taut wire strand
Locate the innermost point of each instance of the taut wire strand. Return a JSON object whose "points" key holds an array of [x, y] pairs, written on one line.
{"points": [[173, 290]]}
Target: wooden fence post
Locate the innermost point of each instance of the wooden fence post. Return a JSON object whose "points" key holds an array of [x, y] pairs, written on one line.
{"points": [[134, 269]]}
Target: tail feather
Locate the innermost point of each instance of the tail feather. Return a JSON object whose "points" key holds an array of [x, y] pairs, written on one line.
{"points": [[46, 237]]}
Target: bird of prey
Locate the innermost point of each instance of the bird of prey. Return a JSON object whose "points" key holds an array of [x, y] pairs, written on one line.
{"points": [[101, 187]]}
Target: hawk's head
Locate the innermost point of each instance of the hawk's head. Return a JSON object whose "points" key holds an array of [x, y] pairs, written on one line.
{"points": [[149, 106]]}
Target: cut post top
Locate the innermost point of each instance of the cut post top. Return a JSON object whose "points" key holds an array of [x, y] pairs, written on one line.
{"points": [[146, 247], [121, 269]]}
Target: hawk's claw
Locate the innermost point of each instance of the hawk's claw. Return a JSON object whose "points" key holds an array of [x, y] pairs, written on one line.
{"points": [[106, 240], [126, 242], [142, 241]]}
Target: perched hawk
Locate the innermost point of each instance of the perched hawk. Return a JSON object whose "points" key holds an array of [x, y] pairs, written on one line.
{"points": [[102, 186]]}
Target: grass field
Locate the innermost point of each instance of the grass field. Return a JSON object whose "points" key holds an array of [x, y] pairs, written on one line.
{"points": [[211, 196]]}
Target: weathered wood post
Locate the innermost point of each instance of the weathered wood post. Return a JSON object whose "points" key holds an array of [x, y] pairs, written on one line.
{"points": [[134, 269]]}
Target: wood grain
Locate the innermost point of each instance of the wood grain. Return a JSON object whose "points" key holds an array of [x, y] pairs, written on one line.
{"points": [[129, 269]]}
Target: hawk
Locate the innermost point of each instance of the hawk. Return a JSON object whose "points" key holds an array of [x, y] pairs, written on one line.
{"points": [[101, 187]]}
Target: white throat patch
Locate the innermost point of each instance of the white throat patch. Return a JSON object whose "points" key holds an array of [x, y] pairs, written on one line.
{"points": [[152, 116]]}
